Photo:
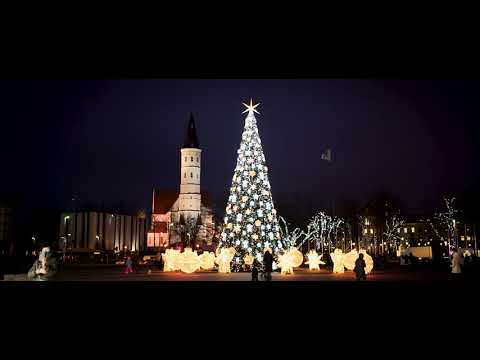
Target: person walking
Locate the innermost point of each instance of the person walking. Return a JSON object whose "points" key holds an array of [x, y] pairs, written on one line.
{"points": [[360, 268], [267, 263], [128, 265]]}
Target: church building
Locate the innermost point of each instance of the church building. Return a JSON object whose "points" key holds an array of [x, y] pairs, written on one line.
{"points": [[185, 216]]}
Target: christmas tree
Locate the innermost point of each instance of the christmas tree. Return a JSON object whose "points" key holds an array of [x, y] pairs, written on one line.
{"points": [[250, 223]]}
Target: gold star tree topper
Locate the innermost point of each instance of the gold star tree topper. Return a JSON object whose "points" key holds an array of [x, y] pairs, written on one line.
{"points": [[251, 107]]}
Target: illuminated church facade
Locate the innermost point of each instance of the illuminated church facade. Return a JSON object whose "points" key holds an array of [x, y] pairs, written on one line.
{"points": [[172, 210]]}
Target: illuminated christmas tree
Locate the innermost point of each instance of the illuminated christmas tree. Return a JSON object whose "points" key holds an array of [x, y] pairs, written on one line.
{"points": [[250, 221]]}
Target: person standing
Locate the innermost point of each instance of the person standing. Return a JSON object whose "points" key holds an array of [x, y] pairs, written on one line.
{"points": [[254, 272], [456, 268], [359, 268], [128, 265], [267, 263]]}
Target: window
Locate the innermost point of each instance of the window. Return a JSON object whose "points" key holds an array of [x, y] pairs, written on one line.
{"points": [[184, 175], [398, 230], [192, 158], [197, 158], [185, 159], [462, 237], [371, 231], [405, 230], [191, 175], [413, 229]]}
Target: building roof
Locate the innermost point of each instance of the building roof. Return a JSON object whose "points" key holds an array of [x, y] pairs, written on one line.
{"points": [[191, 139], [163, 200]]}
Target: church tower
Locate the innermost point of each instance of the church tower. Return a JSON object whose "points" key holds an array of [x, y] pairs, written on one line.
{"points": [[189, 201]]}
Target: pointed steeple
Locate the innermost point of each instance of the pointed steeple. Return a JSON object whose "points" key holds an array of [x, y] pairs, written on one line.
{"points": [[191, 140]]}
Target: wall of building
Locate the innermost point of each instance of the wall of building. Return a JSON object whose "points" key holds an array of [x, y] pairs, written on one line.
{"points": [[103, 231]]}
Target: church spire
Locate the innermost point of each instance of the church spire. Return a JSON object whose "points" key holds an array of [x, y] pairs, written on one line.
{"points": [[191, 140]]}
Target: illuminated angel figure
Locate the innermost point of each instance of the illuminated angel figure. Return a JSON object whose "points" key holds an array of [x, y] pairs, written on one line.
{"points": [[286, 262], [224, 258], [314, 260], [337, 258]]}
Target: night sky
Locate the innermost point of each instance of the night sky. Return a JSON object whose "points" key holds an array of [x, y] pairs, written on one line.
{"points": [[112, 141]]}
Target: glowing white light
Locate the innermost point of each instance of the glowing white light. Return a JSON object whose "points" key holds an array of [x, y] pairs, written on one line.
{"points": [[248, 259], [314, 260], [207, 260], [337, 258], [285, 262], [224, 258]]}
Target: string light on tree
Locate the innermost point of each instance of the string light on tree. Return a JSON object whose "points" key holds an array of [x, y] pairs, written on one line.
{"points": [[250, 213]]}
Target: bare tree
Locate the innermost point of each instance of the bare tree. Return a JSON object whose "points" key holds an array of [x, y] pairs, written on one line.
{"points": [[392, 225]]}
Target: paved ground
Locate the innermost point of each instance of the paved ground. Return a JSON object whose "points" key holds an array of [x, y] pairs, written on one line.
{"points": [[114, 273]]}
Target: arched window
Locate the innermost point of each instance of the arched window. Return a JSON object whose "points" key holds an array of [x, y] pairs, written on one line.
{"points": [[191, 158], [191, 175], [184, 175]]}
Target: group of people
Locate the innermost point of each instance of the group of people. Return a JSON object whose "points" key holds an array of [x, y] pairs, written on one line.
{"points": [[267, 267]]}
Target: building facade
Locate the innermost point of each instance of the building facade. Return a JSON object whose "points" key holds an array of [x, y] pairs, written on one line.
{"points": [[173, 211], [89, 231]]}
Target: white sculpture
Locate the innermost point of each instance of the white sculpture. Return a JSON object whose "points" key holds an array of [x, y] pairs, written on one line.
{"points": [[286, 262], [224, 258], [456, 269], [352, 256], [337, 258], [314, 260]]}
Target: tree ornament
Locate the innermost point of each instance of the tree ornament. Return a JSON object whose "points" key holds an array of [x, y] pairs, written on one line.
{"points": [[248, 259], [297, 257]]}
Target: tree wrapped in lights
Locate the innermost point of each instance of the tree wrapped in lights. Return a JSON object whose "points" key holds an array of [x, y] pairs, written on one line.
{"points": [[250, 222], [392, 230], [324, 228], [447, 220]]}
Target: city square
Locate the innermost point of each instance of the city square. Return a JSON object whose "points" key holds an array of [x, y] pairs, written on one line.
{"points": [[235, 231]]}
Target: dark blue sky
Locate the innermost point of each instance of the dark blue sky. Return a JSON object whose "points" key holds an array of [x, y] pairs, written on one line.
{"points": [[114, 140]]}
